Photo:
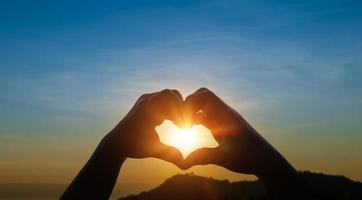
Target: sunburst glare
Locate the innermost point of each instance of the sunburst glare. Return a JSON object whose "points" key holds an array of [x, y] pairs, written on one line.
{"points": [[185, 140]]}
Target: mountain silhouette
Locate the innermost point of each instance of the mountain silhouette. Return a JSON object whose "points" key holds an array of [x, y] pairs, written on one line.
{"points": [[193, 187]]}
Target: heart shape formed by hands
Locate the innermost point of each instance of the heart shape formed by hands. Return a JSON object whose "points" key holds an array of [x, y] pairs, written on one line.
{"points": [[185, 140]]}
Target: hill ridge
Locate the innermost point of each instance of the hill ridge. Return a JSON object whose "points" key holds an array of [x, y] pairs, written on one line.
{"points": [[193, 187]]}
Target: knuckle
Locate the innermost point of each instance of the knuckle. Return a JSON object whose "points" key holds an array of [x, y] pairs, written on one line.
{"points": [[202, 89], [143, 96], [142, 104], [210, 94], [206, 92], [167, 94], [176, 92], [188, 99], [166, 91], [142, 99]]}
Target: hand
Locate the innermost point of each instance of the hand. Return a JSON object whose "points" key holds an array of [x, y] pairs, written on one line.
{"points": [[241, 149], [135, 136]]}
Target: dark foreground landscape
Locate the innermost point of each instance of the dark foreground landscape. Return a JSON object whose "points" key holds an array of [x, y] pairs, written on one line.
{"points": [[192, 187]]}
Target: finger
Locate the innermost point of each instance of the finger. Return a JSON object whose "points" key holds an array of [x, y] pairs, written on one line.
{"points": [[184, 122], [218, 132], [203, 99], [144, 97], [173, 106], [168, 153], [177, 93], [149, 95], [202, 89], [203, 156], [168, 105], [201, 118]]}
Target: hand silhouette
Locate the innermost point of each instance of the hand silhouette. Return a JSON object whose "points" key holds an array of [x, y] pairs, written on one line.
{"points": [[133, 137], [241, 149], [136, 137]]}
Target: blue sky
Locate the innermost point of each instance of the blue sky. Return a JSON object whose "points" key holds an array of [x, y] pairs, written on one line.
{"points": [[71, 69]]}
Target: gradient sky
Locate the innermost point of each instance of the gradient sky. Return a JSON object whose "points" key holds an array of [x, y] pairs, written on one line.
{"points": [[70, 70]]}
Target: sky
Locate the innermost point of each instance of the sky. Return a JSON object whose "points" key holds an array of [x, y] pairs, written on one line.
{"points": [[70, 70]]}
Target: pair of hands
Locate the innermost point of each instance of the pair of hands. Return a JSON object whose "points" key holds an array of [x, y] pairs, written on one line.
{"points": [[241, 149]]}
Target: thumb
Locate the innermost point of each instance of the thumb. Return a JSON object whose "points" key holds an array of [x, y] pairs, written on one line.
{"points": [[203, 156], [168, 153]]}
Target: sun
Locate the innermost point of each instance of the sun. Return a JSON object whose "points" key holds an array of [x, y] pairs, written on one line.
{"points": [[185, 140]]}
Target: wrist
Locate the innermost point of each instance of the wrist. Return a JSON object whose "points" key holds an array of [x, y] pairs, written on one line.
{"points": [[275, 166], [109, 148]]}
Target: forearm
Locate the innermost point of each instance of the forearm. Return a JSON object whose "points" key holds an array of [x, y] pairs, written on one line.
{"points": [[280, 178], [98, 177], [282, 181]]}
